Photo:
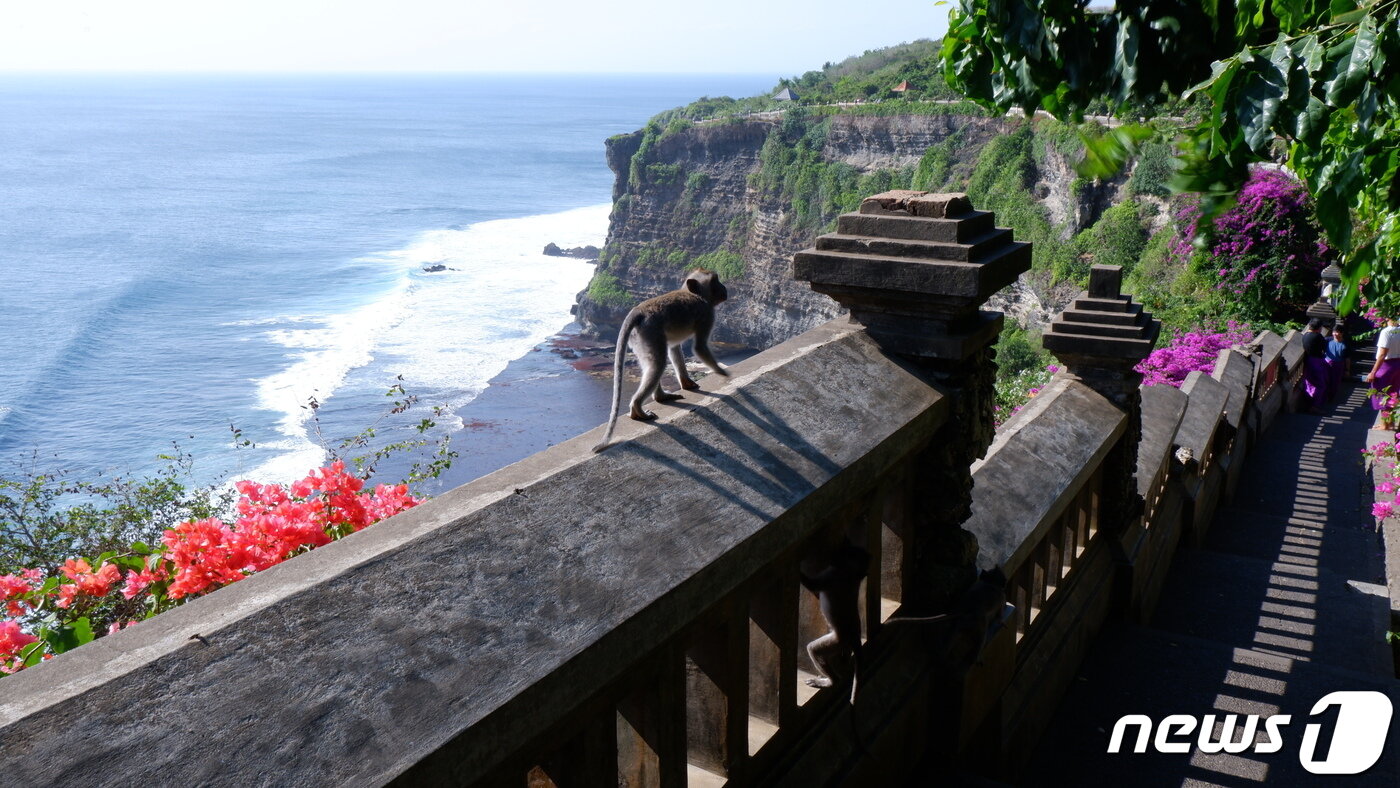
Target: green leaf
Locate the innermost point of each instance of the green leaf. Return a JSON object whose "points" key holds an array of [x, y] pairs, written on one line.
{"points": [[130, 563], [1311, 51], [1351, 64], [1106, 155], [1289, 13], [1125, 57], [1245, 12], [68, 636], [1258, 103], [141, 548], [1311, 123], [33, 653]]}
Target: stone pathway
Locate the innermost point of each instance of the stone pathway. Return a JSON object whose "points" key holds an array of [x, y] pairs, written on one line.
{"points": [[1284, 604]]}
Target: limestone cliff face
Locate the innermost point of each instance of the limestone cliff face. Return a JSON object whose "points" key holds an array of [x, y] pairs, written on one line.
{"points": [[692, 196]]}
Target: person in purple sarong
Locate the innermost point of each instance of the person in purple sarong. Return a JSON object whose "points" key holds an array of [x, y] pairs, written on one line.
{"points": [[1385, 373], [1317, 378], [1338, 359]]}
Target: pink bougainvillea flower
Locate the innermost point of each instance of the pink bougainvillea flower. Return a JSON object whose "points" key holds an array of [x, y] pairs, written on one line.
{"points": [[1382, 509], [136, 582], [273, 523], [13, 640], [75, 568], [66, 594], [12, 586]]}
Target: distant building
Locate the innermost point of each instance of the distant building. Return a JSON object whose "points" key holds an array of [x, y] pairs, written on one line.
{"points": [[785, 94], [901, 87]]}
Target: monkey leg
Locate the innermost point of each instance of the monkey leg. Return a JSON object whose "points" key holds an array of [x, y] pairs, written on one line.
{"points": [[682, 374], [831, 657], [653, 361]]}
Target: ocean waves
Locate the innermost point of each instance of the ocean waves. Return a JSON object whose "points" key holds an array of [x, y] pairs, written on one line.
{"points": [[445, 332]]}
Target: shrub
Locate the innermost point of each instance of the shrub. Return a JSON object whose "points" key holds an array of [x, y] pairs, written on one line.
{"points": [[50, 612], [729, 265], [1014, 392], [1265, 253], [607, 290], [1190, 351]]}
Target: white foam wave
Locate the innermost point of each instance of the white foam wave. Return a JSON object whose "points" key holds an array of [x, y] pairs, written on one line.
{"points": [[449, 332]]}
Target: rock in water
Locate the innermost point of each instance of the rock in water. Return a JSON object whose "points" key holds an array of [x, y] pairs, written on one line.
{"points": [[581, 252]]}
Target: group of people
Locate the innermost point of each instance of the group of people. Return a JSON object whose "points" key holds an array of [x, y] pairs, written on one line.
{"points": [[1327, 363]]}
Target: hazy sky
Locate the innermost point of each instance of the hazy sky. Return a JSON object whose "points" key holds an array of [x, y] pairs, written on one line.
{"points": [[748, 36]]}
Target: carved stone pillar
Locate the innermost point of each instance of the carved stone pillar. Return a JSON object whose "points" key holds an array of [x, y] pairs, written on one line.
{"points": [[913, 268], [1099, 339]]}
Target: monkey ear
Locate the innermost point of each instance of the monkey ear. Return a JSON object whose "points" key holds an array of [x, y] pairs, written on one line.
{"points": [[693, 286]]}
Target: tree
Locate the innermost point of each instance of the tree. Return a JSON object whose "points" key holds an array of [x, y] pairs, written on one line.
{"points": [[1304, 81]]}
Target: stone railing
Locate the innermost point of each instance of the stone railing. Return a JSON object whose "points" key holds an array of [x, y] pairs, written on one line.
{"points": [[638, 617], [1043, 512]]}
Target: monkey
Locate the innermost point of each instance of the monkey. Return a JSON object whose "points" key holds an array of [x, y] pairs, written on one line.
{"points": [[837, 587], [655, 329], [838, 653]]}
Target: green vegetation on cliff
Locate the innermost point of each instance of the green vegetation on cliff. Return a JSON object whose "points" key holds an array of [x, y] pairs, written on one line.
{"points": [[814, 189], [872, 78], [700, 212], [876, 74]]}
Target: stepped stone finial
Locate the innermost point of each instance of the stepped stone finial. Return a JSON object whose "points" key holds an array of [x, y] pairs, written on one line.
{"points": [[1100, 339], [913, 267], [1102, 328]]}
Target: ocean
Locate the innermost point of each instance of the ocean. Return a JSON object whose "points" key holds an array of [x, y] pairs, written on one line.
{"points": [[180, 255]]}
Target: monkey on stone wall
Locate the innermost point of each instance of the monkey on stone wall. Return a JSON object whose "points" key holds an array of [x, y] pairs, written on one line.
{"points": [[655, 329]]}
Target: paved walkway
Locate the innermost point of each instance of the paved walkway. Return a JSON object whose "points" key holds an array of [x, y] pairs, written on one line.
{"points": [[1278, 609]]}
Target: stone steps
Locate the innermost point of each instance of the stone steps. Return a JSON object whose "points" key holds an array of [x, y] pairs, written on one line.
{"points": [[1284, 604], [916, 228], [972, 250], [1141, 670]]}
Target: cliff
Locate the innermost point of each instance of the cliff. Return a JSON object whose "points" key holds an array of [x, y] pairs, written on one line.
{"points": [[740, 196]]}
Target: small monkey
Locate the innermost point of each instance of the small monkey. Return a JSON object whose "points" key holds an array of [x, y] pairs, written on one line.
{"points": [[837, 586], [837, 654], [655, 329]]}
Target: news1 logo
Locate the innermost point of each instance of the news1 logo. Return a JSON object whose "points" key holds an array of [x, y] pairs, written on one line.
{"points": [[1363, 719]]}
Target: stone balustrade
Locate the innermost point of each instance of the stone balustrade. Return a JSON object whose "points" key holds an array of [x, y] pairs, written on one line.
{"points": [[637, 617]]}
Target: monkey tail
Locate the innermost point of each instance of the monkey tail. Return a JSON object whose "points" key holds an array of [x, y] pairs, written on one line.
{"points": [[619, 358], [862, 749]]}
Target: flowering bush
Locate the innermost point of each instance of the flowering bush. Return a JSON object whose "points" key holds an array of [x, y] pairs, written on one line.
{"points": [[1190, 351], [47, 615], [1384, 455], [1265, 252], [1014, 392]]}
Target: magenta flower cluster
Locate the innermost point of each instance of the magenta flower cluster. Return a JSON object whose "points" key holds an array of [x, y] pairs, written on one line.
{"points": [[1266, 251], [1191, 351], [1383, 455]]}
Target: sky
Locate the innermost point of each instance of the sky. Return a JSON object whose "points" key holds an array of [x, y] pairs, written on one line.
{"points": [[782, 37]]}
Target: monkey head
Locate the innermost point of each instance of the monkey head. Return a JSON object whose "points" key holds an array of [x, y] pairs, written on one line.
{"points": [[705, 283]]}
